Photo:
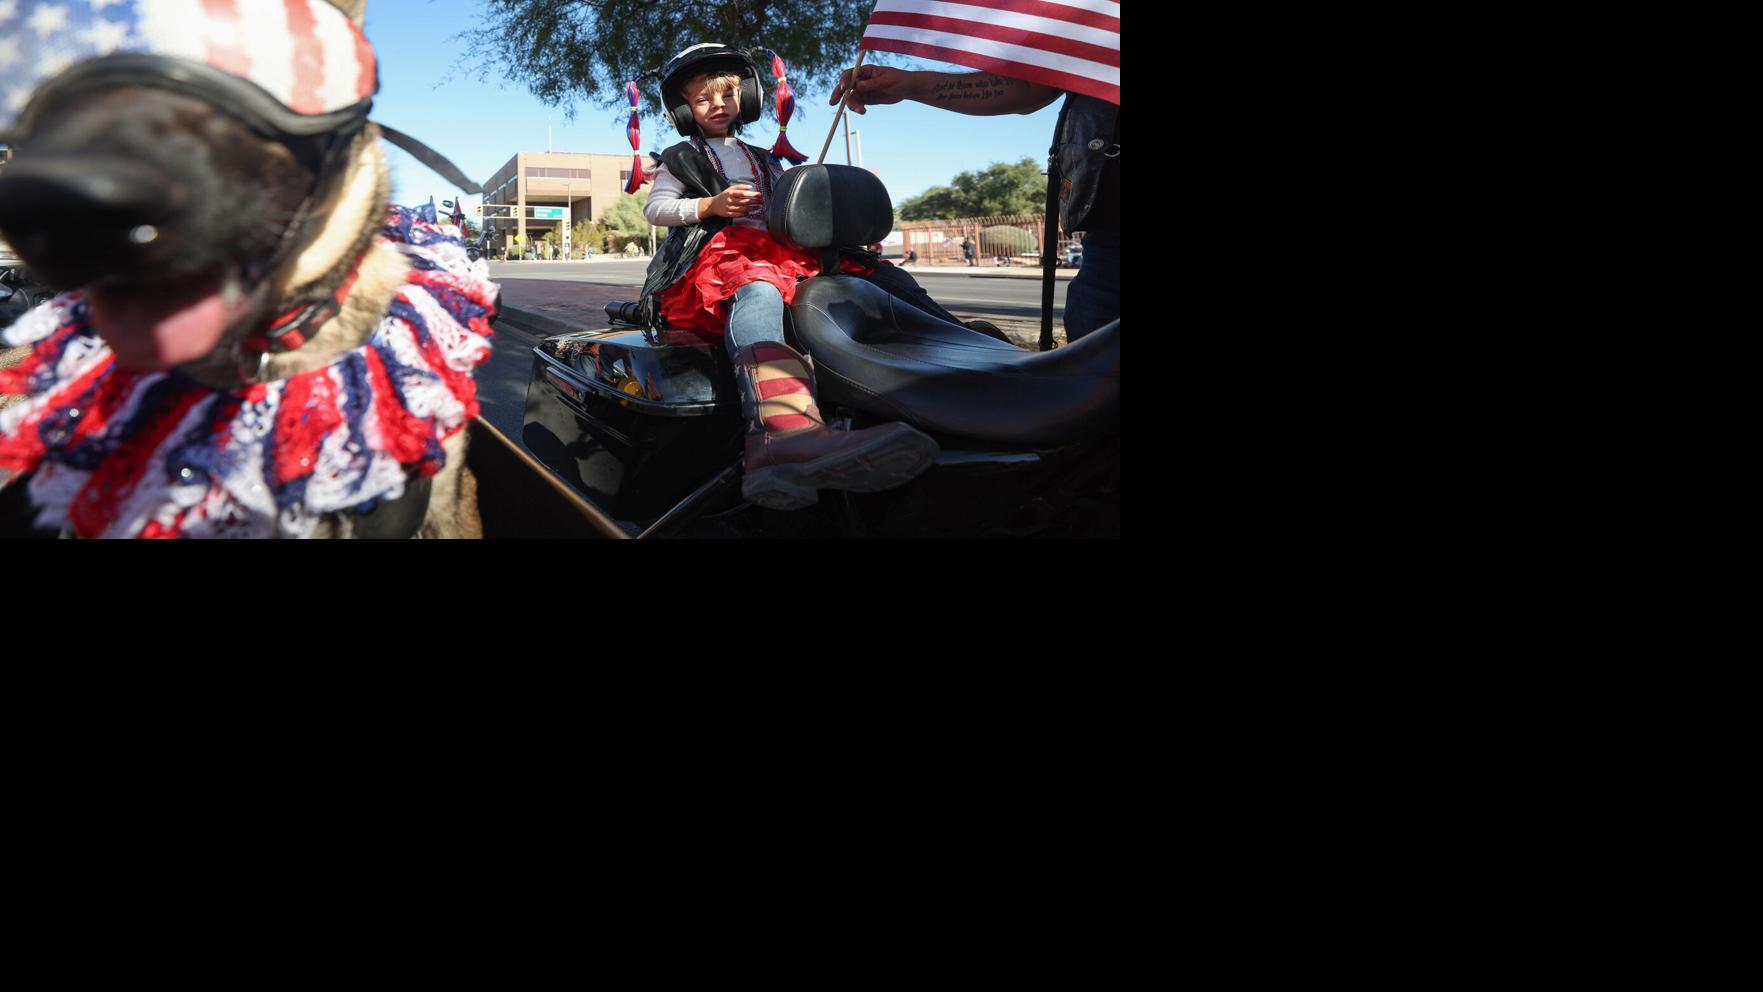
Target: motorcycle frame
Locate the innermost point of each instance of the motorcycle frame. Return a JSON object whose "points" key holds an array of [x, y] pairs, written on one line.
{"points": [[967, 473]]}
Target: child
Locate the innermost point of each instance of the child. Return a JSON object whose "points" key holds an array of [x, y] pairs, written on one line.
{"points": [[721, 272]]}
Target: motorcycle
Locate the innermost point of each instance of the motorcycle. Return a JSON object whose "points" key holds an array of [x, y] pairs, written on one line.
{"points": [[642, 422], [18, 292]]}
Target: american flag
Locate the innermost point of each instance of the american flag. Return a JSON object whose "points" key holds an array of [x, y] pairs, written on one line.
{"points": [[1073, 45], [305, 53]]}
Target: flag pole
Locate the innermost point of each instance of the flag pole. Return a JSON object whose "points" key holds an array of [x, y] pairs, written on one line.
{"points": [[841, 114]]}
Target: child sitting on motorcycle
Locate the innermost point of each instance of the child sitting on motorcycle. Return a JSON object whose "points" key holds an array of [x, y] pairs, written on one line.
{"points": [[721, 272]]}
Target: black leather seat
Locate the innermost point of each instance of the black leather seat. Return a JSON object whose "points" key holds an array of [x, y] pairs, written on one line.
{"points": [[879, 354]]}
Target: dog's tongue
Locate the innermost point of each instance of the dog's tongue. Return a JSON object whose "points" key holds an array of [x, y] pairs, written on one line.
{"points": [[154, 330]]}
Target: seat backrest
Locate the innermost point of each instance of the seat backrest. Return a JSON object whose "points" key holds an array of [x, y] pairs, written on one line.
{"points": [[829, 206]]}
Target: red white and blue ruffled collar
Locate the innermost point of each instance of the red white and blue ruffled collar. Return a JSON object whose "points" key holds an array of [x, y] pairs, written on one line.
{"points": [[137, 454]]}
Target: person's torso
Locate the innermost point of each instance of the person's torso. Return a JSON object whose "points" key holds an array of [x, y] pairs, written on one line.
{"points": [[735, 163], [705, 168]]}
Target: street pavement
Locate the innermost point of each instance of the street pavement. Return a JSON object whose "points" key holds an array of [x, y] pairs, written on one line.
{"points": [[577, 292], [540, 299]]}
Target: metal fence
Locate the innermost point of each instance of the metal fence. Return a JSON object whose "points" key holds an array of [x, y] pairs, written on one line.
{"points": [[995, 241]]}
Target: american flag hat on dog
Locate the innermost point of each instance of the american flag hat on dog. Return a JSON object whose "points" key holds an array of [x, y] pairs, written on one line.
{"points": [[309, 69]]}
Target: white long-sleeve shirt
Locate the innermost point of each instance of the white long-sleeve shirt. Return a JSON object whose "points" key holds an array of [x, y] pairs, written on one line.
{"points": [[668, 206]]}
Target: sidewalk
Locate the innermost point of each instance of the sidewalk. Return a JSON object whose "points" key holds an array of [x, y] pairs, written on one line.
{"points": [[988, 271]]}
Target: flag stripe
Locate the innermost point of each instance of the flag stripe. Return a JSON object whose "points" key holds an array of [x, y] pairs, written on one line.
{"points": [[308, 58], [166, 26], [971, 48], [364, 83], [336, 39], [1015, 70], [1092, 14], [226, 48], [1107, 36], [272, 49], [1004, 34], [1109, 7]]}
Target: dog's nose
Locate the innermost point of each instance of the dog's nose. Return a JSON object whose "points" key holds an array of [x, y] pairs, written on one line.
{"points": [[74, 218]]}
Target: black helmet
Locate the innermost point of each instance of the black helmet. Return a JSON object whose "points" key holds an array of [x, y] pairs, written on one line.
{"points": [[700, 59]]}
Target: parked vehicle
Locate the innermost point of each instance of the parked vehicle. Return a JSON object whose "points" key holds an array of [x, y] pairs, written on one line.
{"points": [[18, 293], [643, 422]]}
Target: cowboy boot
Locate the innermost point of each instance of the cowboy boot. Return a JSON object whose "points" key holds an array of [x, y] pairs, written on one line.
{"points": [[791, 452]]}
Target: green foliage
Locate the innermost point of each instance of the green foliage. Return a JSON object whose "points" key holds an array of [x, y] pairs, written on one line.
{"points": [[1001, 240], [936, 203], [626, 215], [618, 241], [997, 190], [570, 51], [587, 232]]}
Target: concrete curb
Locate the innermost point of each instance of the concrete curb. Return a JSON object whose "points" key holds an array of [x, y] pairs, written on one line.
{"points": [[1063, 274]]}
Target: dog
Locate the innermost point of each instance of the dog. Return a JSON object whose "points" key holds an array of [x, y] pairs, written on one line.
{"points": [[188, 231]]}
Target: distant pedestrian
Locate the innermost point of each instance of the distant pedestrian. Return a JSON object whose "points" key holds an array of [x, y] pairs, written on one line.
{"points": [[912, 256], [967, 251]]}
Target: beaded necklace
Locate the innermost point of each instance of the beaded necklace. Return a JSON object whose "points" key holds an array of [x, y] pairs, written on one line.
{"points": [[760, 172]]}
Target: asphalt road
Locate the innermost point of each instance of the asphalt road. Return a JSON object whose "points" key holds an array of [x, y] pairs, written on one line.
{"points": [[1013, 297], [502, 381]]}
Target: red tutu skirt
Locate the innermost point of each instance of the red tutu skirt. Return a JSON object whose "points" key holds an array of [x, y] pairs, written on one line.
{"points": [[735, 256]]}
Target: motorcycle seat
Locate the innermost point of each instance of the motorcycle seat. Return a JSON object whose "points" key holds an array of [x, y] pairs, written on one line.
{"points": [[877, 353]]}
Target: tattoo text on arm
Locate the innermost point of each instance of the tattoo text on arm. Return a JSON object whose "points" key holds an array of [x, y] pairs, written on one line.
{"points": [[977, 87]]}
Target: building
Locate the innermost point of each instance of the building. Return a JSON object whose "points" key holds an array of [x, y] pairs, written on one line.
{"points": [[523, 196]]}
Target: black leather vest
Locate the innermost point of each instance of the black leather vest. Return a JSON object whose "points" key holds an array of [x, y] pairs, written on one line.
{"points": [[675, 256], [1087, 143]]}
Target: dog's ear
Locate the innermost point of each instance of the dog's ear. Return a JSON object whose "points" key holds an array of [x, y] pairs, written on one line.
{"points": [[356, 9]]}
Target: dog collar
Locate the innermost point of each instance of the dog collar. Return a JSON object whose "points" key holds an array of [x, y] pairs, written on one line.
{"points": [[293, 329]]}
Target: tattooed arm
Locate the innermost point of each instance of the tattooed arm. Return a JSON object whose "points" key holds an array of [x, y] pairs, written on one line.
{"points": [[979, 94]]}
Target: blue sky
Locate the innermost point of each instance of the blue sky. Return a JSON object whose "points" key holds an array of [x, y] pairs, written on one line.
{"points": [[479, 126]]}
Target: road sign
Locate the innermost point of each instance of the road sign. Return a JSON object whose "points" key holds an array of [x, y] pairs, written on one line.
{"points": [[547, 213]]}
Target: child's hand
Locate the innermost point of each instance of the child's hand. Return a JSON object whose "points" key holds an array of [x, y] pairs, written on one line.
{"points": [[738, 200]]}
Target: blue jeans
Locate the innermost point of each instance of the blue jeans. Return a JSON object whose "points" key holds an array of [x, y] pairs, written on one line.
{"points": [[755, 314], [1093, 298]]}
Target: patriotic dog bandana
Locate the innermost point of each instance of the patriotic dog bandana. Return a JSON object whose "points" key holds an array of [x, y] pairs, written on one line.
{"points": [[156, 455], [306, 54]]}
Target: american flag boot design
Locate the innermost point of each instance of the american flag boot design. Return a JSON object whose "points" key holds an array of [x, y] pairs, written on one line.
{"points": [[791, 454]]}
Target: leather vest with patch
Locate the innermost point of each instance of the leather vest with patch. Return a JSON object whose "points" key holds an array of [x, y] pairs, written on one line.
{"points": [[1087, 145]]}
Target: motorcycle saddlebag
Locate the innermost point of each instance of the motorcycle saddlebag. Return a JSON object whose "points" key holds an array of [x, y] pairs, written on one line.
{"points": [[635, 425]]}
